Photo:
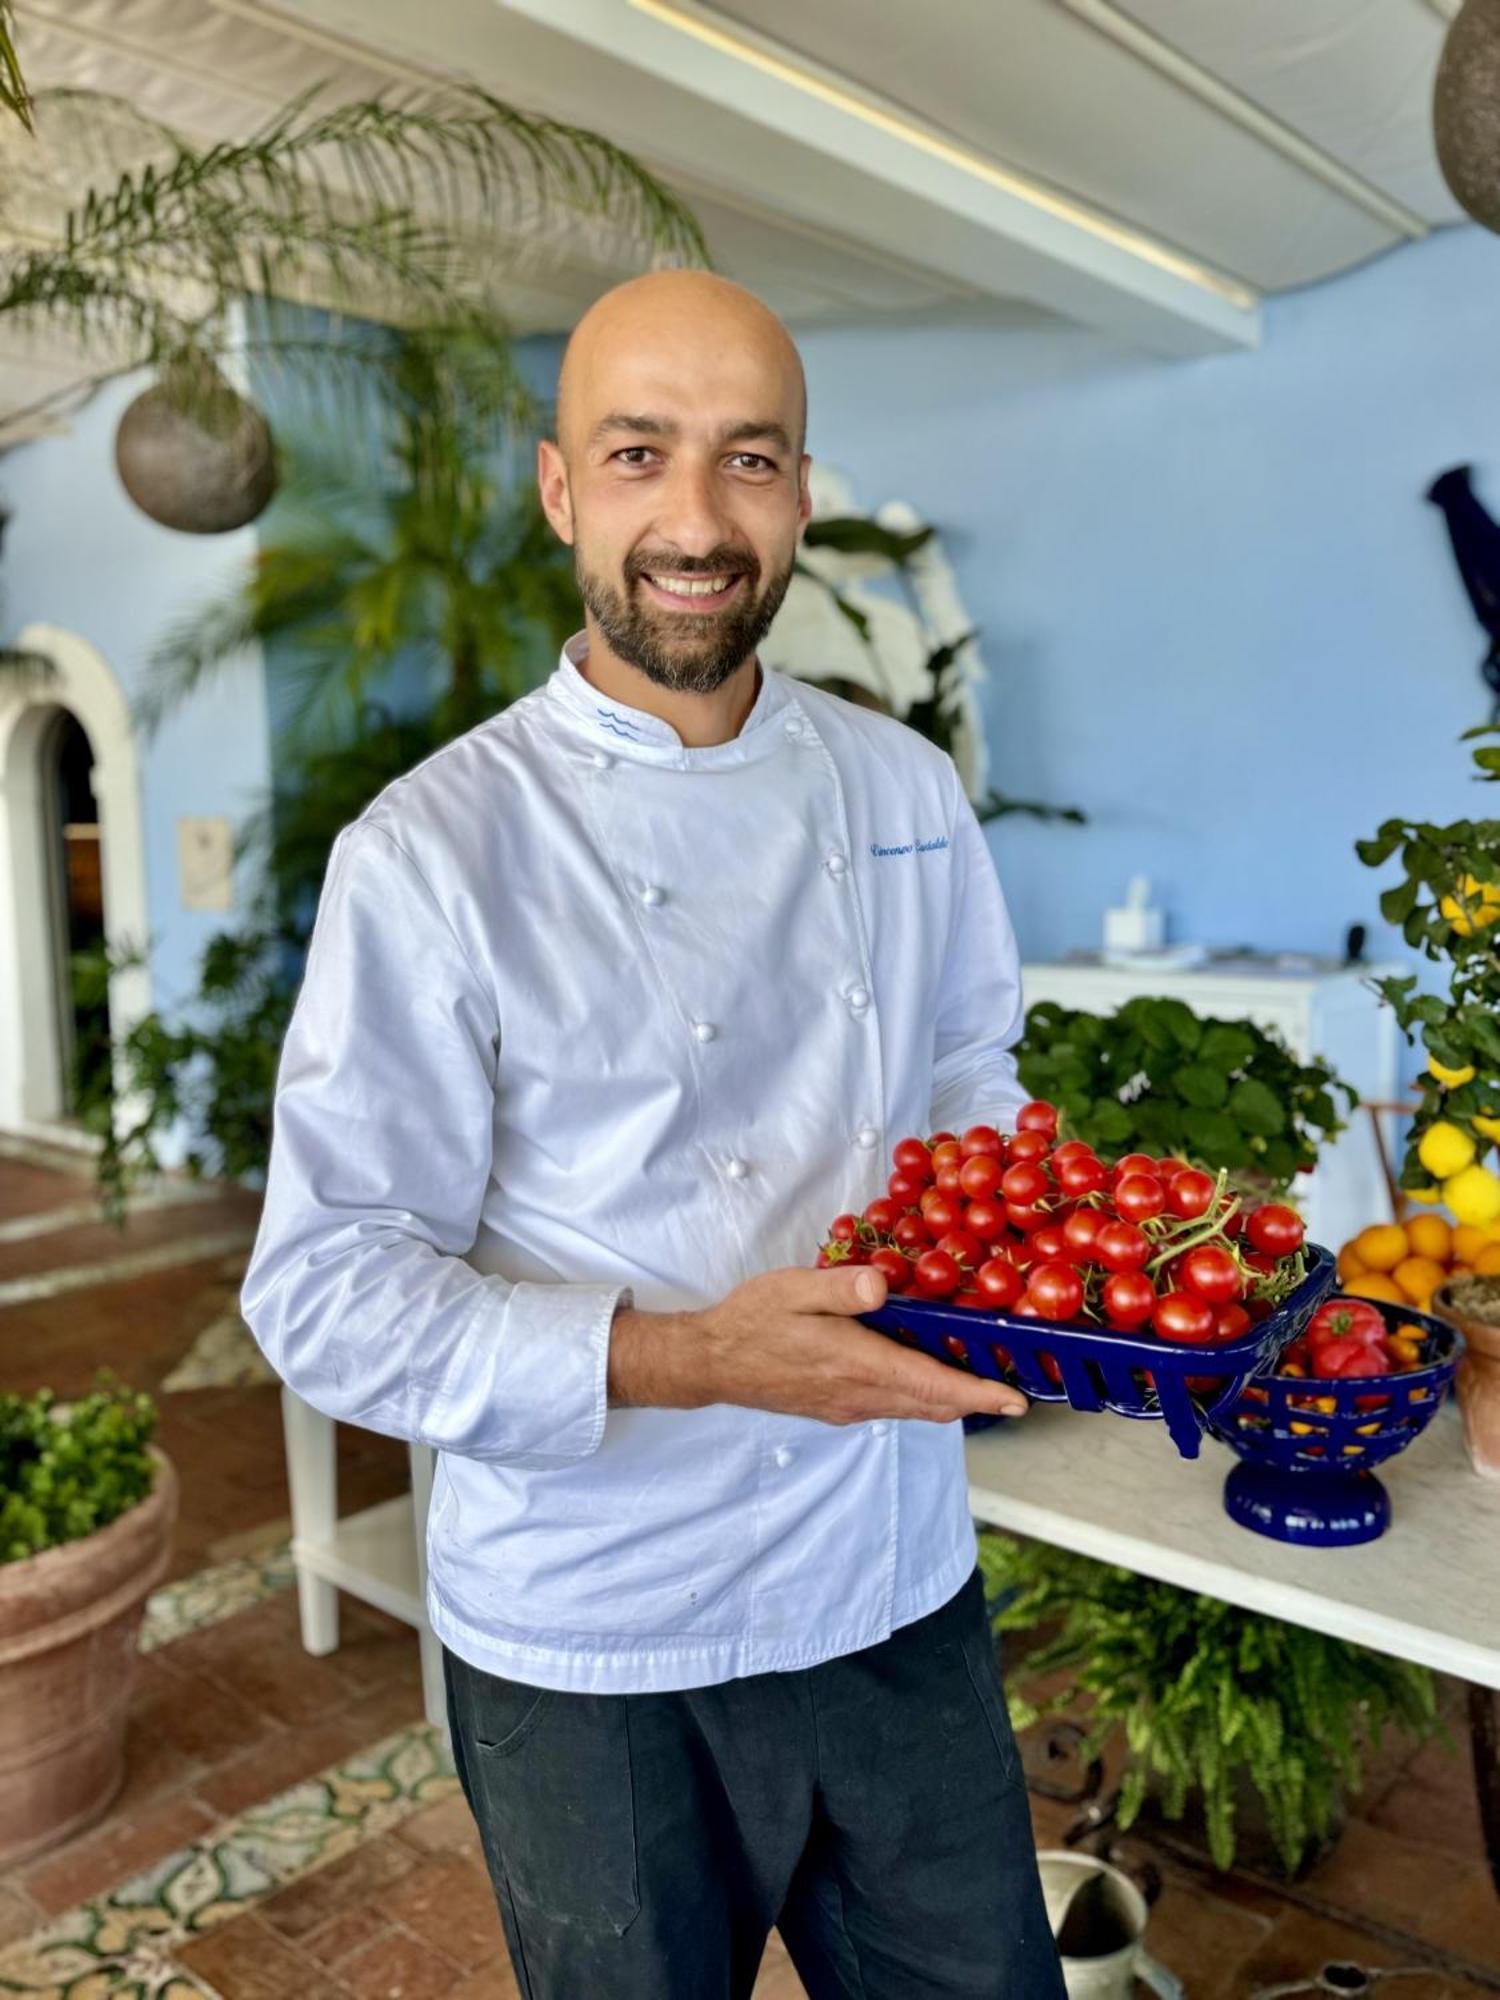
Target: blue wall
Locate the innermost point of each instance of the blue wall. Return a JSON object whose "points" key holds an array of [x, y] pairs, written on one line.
{"points": [[1216, 611], [79, 554]]}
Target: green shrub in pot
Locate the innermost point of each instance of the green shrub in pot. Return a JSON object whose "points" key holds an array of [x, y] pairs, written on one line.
{"points": [[66, 1471]]}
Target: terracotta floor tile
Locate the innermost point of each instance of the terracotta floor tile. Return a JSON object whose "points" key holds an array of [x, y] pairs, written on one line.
{"points": [[1433, 1801], [1379, 1872], [495, 1982], [349, 1931], [19, 1915], [448, 1900], [1301, 1943], [399, 1967], [1204, 1940], [204, 1722], [362, 1878], [119, 1847], [1465, 1919], [446, 1826], [274, 1764], [245, 1960]]}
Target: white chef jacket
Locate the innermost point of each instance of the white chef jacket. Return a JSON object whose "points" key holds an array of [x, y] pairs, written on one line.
{"points": [[588, 1018]]}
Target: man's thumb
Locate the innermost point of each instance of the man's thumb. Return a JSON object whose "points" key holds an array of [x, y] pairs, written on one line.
{"points": [[869, 1288]]}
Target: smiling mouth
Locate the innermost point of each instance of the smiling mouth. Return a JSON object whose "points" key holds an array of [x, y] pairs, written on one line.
{"points": [[692, 593]]}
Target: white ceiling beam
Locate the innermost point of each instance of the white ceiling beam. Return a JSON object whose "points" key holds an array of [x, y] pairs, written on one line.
{"points": [[1129, 34], [816, 146]]}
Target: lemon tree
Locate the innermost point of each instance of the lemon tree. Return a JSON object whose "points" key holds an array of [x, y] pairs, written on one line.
{"points": [[1447, 904]]}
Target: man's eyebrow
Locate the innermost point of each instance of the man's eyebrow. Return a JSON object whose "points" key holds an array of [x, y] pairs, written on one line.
{"points": [[668, 427]]}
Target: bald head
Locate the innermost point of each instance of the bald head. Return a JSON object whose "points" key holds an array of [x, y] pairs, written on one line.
{"points": [[692, 330]]}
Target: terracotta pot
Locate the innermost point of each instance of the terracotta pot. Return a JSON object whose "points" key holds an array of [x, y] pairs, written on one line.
{"points": [[69, 1620], [1477, 1384]]}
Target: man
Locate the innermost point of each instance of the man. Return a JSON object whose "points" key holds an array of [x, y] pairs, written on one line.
{"points": [[610, 1006]]}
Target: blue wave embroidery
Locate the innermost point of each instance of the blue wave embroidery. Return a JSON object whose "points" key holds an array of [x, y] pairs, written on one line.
{"points": [[619, 725]]}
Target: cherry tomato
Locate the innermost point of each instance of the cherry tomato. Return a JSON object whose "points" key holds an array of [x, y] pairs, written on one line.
{"points": [[1210, 1273], [980, 1175], [1275, 1228], [1080, 1174], [1168, 1168], [982, 1139], [1121, 1246], [942, 1139], [1129, 1299], [844, 1228], [1020, 1216], [956, 1347], [975, 1300], [1180, 1316], [1056, 1289], [1230, 1322], [963, 1248], [914, 1157], [1027, 1146], [896, 1269], [1080, 1231], [1231, 1217], [946, 1153], [905, 1190], [1024, 1184], [940, 1212], [1134, 1163], [882, 1215], [1139, 1197], [910, 1233], [1072, 1149], [1026, 1307], [1038, 1116], [1261, 1260], [948, 1179], [1049, 1245], [984, 1219], [937, 1274], [1000, 1282], [1189, 1193]]}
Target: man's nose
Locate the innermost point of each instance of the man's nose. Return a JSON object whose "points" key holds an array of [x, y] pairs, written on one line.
{"points": [[692, 516]]}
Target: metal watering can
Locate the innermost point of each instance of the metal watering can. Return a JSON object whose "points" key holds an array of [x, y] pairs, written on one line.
{"points": [[1098, 1917]]}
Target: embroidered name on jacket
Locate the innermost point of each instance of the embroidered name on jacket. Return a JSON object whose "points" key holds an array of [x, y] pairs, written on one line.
{"points": [[911, 846]]}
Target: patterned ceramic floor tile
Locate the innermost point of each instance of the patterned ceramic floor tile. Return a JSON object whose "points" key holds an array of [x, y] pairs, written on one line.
{"points": [[215, 1593], [120, 1945]]}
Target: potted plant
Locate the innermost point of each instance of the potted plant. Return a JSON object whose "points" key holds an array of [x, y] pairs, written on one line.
{"points": [[1155, 1077], [87, 1509], [1220, 1709], [1448, 906]]}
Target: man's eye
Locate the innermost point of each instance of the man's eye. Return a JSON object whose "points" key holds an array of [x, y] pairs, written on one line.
{"points": [[626, 450], [760, 461]]}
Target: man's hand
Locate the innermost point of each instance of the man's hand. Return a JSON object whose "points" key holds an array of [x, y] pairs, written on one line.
{"points": [[788, 1341]]}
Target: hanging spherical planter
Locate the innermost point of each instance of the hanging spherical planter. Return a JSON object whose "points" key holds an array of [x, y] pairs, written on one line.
{"points": [[1466, 110], [194, 454]]}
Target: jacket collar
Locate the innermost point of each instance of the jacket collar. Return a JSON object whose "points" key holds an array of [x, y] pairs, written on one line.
{"points": [[634, 733]]}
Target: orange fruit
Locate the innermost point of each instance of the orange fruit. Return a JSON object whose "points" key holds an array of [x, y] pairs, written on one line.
{"points": [[1487, 1263], [1375, 1285], [1468, 1241], [1382, 1246], [1430, 1236], [1349, 1264], [1419, 1278]]}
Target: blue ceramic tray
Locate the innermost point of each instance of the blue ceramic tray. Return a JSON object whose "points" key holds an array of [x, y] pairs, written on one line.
{"points": [[1130, 1374], [1307, 1475]]}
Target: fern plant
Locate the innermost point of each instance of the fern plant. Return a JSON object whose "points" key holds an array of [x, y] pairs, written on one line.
{"points": [[1207, 1696]]}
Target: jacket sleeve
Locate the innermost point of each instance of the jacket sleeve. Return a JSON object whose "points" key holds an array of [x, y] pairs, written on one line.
{"points": [[980, 1012], [358, 1289]]}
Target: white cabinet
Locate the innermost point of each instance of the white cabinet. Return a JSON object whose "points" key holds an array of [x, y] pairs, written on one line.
{"points": [[1331, 1015]]}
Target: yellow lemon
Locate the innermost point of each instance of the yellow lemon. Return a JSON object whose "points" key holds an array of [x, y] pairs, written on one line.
{"points": [[1375, 1285], [1468, 1242], [1381, 1247], [1444, 1151], [1430, 1236], [1451, 1078], [1429, 1196], [1490, 1127], [1473, 1194], [1487, 1263], [1419, 1278]]}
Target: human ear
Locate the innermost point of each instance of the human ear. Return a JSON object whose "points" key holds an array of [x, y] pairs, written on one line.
{"points": [[552, 485]]}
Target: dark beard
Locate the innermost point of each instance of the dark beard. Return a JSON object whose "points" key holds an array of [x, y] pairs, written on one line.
{"points": [[700, 656]]}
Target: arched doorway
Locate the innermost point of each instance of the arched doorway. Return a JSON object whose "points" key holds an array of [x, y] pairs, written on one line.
{"points": [[72, 880]]}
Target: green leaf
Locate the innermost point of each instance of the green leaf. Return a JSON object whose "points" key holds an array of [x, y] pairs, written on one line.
{"points": [[1199, 1084], [1397, 904], [1214, 1137], [1258, 1109], [1226, 1046]]}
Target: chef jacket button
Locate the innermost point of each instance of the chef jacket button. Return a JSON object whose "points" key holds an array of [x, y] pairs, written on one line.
{"points": [[704, 1030], [736, 1168], [603, 760], [866, 1136], [879, 1429], [835, 864], [651, 895], [858, 998], [783, 1455], [793, 726]]}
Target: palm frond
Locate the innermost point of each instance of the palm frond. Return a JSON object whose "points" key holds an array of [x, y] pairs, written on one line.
{"points": [[14, 95]]}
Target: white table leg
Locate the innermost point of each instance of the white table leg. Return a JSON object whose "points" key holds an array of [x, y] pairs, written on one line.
{"points": [[312, 1481], [434, 1697]]}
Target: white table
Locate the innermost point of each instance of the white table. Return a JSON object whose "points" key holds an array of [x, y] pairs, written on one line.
{"points": [[378, 1555], [1428, 1590]]}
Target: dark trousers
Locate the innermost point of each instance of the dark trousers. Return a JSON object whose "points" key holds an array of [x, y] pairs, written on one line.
{"points": [[872, 1808]]}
